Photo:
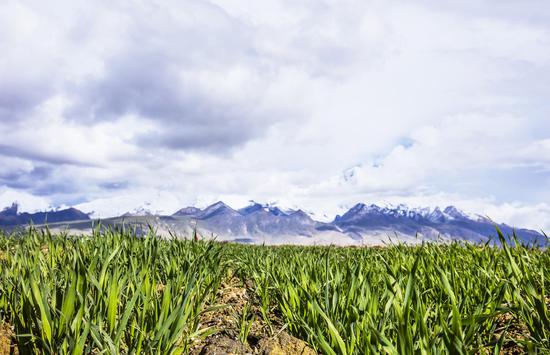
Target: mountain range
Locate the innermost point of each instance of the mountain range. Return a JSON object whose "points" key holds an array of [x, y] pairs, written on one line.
{"points": [[257, 223], [10, 216]]}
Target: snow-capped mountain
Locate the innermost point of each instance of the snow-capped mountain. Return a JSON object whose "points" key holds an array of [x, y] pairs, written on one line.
{"points": [[187, 211], [254, 221], [139, 212], [257, 207], [425, 223], [266, 223], [370, 224], [10, 216]]}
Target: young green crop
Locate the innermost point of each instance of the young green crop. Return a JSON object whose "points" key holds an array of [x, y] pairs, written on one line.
{"points": [[433, 298], [116, 292], [112, 292]]}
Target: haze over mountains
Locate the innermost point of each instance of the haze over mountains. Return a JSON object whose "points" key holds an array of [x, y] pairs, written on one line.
{"points": [[361, 225]]}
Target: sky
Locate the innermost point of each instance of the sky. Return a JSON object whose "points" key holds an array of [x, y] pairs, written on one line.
{"points": [[115, 105]]}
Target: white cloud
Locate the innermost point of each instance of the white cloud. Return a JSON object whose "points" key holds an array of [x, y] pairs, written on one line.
{"points": [[27, 202], [186, 102]]}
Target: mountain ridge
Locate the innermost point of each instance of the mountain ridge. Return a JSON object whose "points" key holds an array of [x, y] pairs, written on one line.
{"points": [[267, 223], [10, 216], [361, 222]]}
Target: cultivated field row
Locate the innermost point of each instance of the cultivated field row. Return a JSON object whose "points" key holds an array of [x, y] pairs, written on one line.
{"points": [[116, 293]]}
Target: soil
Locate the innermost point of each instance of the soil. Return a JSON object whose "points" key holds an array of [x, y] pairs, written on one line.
{"points": [[514, 331], [7, 340], [221, 345], [284, 344], [233, 296]]}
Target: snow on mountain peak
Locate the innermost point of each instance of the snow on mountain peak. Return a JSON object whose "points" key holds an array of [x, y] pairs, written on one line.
{"points": [[139, 212], [435, 215]]}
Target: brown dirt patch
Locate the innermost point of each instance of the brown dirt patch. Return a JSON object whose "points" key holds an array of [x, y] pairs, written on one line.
{"points": [[8, 345], [514, 332], [284, 344], [222, 345], [232, 298]]}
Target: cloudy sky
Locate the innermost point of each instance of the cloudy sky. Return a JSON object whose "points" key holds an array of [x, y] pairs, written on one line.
{"points": [[114, 105]]}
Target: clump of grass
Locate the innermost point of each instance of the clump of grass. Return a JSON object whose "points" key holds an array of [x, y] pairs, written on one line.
{"points": [[433, 298], [244, 323], [111, 292], [118, 291]]}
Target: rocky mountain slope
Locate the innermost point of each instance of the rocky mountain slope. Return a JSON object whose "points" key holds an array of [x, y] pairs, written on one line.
{"points": [[361, 225], [10, 216]]}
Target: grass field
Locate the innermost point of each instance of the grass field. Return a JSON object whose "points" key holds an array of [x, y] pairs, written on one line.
{"points": [[113, 293]]}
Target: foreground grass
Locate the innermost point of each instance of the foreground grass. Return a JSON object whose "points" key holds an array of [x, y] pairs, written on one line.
{"points": [[116, 293]]}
